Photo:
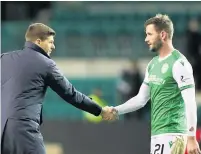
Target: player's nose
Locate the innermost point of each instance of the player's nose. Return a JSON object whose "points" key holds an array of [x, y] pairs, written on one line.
{"points": [[53, 47], [146, 39]]}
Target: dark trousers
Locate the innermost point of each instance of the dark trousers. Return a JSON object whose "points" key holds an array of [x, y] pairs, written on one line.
{"points": [[22, 137]]}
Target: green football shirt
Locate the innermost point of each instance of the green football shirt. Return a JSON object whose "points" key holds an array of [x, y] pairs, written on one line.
{"points": [[168, 113]]}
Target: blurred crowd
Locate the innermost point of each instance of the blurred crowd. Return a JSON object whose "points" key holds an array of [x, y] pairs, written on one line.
{"points": [[194, 49]]}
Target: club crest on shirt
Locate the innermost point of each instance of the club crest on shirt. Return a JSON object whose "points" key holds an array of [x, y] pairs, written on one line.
{"points": [[164, 68]]}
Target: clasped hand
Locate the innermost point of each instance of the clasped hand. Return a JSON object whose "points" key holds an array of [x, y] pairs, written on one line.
{"points": [[109, 113]]}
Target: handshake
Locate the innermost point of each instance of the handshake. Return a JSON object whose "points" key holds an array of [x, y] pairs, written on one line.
{"points": [[109, 113]]}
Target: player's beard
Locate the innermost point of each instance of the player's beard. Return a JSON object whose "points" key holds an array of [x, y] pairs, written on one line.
{"points": [[156, 46]]}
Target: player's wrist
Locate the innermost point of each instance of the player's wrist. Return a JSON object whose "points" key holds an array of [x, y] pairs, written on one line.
{"points": [[191, 138]]}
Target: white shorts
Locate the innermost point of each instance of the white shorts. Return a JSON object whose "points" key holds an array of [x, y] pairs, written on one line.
{"points": [[168, 144]]}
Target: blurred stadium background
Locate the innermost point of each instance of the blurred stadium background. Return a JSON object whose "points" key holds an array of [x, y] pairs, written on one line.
{"points": [[100, 48]]}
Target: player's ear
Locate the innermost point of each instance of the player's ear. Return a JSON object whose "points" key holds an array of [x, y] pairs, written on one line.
{"points": [[38, 41], [163, 35]]}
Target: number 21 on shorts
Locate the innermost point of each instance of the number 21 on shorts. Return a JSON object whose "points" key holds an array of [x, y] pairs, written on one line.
{"points": [[158, 149]]}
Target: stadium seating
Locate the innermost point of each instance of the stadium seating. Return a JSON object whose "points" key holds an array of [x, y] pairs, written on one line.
{"points": [[89, 35]]}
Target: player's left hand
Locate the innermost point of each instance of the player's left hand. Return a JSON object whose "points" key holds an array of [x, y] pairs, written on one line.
{"points": [[192, 146]]}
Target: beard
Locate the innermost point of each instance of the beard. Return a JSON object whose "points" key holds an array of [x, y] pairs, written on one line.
{"points": [[156, 46]]}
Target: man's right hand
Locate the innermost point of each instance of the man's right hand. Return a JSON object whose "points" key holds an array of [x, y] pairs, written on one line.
{"points": [[109, 113], [192, 146]]}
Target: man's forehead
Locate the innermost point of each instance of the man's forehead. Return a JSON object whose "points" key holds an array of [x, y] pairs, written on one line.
{"points": [[151, 26], [50, 38]]}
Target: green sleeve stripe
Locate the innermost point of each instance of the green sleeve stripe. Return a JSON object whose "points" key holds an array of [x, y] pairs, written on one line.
{"points": [[146, 83], [186, 87]]}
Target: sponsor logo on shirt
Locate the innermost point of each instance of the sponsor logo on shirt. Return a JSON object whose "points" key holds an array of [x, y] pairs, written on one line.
{"points": [[156, 80]]}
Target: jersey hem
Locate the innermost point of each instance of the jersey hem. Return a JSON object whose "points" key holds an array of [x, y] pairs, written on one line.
{"points": [[169, 134]]}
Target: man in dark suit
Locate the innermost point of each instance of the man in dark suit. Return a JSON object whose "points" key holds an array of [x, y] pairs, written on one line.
{"points": [[26, 74]]}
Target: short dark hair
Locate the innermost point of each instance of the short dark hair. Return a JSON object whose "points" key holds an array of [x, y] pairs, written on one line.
{"points": [[161, 22], [38, 30]]}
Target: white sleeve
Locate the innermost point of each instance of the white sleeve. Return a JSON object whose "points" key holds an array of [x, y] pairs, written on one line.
{"points": [[191, 110], [138, 101], [183, 75]]}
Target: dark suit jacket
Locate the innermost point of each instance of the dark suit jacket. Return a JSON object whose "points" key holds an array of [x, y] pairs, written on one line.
{"points": [[25, 76]]}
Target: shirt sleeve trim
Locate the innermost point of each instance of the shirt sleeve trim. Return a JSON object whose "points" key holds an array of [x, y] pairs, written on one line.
{"points": [[186, 87]]}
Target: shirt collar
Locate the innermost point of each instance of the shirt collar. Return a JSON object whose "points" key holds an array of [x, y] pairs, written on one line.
{"points": [[36, 48]]}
